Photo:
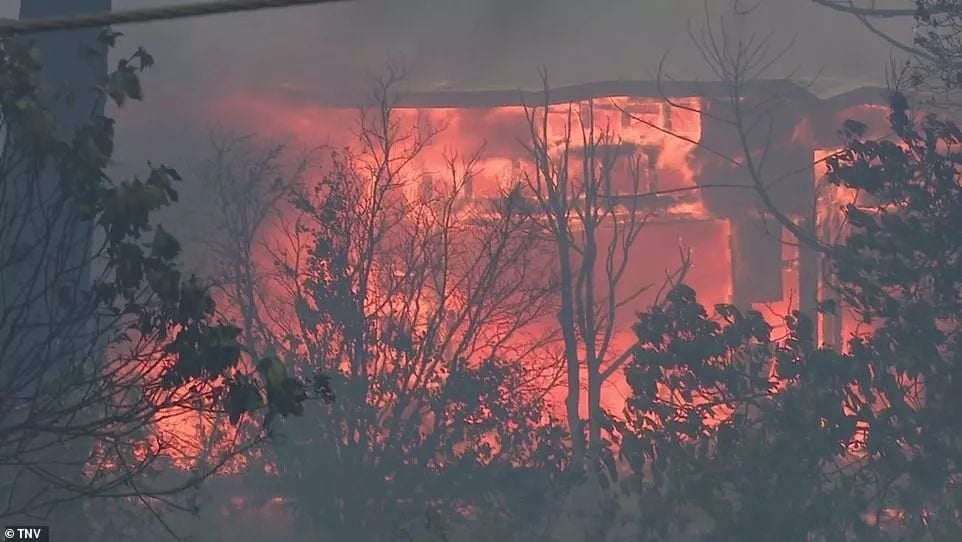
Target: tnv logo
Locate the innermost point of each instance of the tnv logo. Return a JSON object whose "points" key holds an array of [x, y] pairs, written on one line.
{"points": [[39, 534]]}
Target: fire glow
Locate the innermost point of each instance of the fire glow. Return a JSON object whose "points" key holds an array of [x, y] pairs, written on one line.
{"points": [[662, 139]]}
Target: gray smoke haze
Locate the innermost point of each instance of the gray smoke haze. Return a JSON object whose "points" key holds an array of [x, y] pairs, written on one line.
{"points": [[465, 43], [489, 42]]}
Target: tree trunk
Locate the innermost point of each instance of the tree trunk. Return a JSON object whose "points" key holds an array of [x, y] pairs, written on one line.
{"points": [[566, 317], [590, 332]]}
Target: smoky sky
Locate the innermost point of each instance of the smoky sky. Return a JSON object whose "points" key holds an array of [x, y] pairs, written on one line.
{"points": [[479, 43], [473, 44]]}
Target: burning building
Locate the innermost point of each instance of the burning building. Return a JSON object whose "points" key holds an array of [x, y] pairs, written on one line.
{"points": [[698, 175], [690, 180]]}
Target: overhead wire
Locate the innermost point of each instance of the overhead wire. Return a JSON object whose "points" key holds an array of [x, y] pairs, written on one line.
{"points": [[194, 9]]}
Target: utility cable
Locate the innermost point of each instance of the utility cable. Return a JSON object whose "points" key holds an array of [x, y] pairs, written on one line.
{"points": [[196, 9]]}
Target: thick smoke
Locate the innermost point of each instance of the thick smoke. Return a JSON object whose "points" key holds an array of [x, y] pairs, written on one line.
{"points": [[477, 43], [463, 44]]}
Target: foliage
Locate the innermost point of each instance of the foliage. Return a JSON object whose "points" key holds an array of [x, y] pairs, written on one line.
{"points": [[933, 53], [414, 306], [738, 435], [936, 42], [100, 334]]}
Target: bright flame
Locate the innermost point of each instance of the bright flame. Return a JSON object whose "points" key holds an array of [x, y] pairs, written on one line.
{"points": [[655, 141]]}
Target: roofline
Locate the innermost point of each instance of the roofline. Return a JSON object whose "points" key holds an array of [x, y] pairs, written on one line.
{"points": [[867, 95], [575, 93], [484, 98]]}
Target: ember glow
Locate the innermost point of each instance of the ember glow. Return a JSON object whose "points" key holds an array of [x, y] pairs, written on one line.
{"points": [[662, 136], [188, 431], [659, 138], [830, 202]]}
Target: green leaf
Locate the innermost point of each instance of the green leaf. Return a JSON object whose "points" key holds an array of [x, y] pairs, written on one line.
{"points": [[243, 397], [853, 129], [124, 84], [144, 58], [108, 37], [165, 246]]}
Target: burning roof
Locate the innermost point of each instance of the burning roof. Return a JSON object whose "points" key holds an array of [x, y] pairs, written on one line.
{"points": [[826, 94]]}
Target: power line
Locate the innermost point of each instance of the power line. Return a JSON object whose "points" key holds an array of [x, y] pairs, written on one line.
{"points": [[29, 26]]}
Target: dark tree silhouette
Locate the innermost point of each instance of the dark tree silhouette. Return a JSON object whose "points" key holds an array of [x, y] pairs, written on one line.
{"points": [[418, 306], [935, 49], [101, 341], [738, 435], [593, 225]]}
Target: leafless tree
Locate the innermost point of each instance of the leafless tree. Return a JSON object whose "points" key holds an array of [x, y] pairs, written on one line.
{"points": [[424, 303], [933, 64], [575, 164], [751, 147], [244, 190]]}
